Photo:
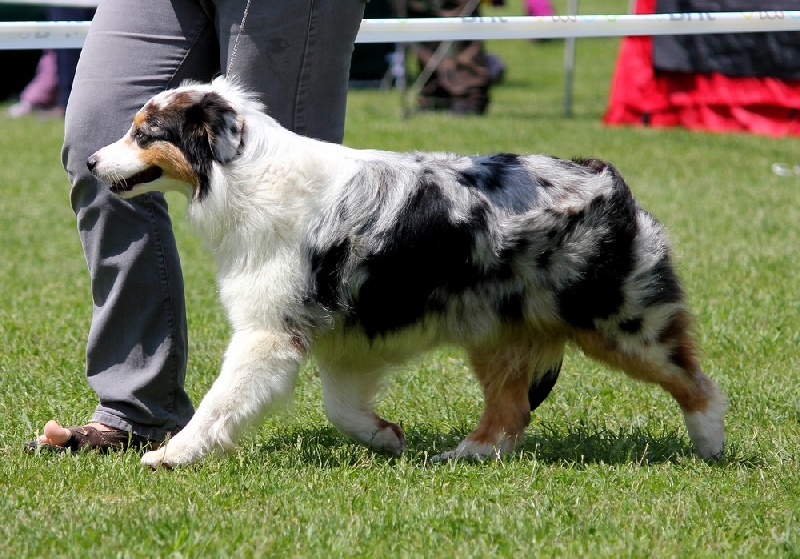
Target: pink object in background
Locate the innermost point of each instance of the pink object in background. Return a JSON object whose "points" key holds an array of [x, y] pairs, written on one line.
{"points": [[41, 91], [539, 8], [41, 94]]}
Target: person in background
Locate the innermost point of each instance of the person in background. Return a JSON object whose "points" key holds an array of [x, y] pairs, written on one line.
{"points": [[460, 83], [47, 93], [67, 59], [41, 94]]}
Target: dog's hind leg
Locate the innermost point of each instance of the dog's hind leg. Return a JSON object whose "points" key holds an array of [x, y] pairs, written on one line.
{"points": [[349, 404], [516, 377], [670, 362], [259, 371]]}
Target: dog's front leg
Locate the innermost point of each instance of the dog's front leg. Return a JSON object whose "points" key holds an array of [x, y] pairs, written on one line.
{"points": [[258, 372]]}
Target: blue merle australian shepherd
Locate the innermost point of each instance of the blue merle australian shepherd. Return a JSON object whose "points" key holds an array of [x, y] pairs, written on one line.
{"points": [[365, 258]]}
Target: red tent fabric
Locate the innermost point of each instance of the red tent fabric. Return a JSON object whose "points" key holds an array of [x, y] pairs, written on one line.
{"points": [[640, 95]]}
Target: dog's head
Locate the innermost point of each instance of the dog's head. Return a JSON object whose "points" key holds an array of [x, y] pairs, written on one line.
{"points": [[174, 141]]}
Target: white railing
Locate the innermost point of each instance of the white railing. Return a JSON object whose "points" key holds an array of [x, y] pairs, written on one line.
{"points": [[49, 34]]}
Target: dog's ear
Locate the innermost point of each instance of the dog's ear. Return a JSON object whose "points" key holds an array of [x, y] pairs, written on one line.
{"points": [[225, 136], [222, 126]]}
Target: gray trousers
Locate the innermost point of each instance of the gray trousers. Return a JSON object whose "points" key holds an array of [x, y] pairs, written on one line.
{"points": [[294, 53]]}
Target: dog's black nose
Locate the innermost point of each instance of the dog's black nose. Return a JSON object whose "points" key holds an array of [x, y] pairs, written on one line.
{"points": [[91, 163]]}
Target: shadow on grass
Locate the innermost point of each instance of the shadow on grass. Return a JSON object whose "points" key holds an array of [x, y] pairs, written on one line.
{"points": [[589, 444], [575, 445]]}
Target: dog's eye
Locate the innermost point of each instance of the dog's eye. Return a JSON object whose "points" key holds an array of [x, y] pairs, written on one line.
{"points": [[148, 137]]}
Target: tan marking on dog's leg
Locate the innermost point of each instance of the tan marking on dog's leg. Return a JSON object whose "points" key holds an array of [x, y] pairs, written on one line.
{"points": [[671, 363], [506, 413], [505, 374]]}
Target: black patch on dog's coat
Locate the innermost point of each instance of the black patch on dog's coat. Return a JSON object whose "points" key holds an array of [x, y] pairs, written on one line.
{"points": [[414, 268], [498, 167], [543, 258], [631, 325], [423, 252], [597, 293], [489, 174], [326, 268], [664, 287]]}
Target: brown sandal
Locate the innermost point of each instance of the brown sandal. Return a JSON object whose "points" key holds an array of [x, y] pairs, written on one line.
{"points": [[88, 438]]}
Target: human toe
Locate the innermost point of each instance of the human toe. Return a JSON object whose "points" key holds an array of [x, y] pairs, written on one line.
{"points": [[54, 434]]}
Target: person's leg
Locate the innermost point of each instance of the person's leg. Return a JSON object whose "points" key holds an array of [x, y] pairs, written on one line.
{"points": [[137, 345], [296, 54]]}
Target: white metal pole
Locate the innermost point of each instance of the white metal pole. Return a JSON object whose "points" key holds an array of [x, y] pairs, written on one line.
{"points": [[569, 61]]}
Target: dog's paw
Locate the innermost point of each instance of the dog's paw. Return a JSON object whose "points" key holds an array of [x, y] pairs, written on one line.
{"points": [[471, 451], [475, 451], [707, 434], [155, 458], [707, 428], [389, 438], [171, 455]]}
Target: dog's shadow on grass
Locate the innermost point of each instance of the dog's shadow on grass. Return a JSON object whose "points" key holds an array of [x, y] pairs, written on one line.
{"points": [[577, 445], [580, 444]]}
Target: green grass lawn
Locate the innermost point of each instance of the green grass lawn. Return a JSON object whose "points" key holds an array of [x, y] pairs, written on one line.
{"points": [[607, 469]]}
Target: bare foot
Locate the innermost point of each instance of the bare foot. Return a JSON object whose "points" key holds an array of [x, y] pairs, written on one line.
{"points": [[57, 435]]}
